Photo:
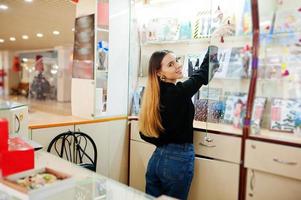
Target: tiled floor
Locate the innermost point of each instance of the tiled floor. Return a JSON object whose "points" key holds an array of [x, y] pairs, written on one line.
{"points": [[45, 111], [49, 106]]}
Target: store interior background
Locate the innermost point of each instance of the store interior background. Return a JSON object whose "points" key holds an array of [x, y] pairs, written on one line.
{"points": [[126, 31], [23, 21]]}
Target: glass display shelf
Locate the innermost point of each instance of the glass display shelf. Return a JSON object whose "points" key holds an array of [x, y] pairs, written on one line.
{"points": [[188, 34], [279, 76]]}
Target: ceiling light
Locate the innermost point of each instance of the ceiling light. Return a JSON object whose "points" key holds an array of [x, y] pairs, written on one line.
{"points": [[25, 37], [25, 59], [28, 1], [1, 40], [56, 32], [12, 39], [39, 35], [73, 29], [3, 7]]}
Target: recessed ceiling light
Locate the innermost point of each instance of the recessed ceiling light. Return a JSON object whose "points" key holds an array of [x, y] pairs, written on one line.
{"points": [[73, 29], [56, 32], [39, 35], [12, 39], [3, 7], [25, 37], [1, 40], [28, 1], [25, 59]]}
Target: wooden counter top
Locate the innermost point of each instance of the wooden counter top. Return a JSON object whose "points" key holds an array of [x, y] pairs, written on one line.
{"points": [[228, 129], [219, 128], [39, 119], [281, 137]]}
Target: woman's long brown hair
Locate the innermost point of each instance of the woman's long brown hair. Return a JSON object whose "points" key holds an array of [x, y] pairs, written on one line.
{"points": [[150, 123]]}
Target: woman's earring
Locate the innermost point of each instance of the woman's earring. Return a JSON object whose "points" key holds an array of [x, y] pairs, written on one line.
{"points": [[162, 78]]}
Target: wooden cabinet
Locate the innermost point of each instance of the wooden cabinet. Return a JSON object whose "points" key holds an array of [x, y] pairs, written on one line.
{"points": [[140, 154], [216, 177], [273, 158], [111, 139], [214, 180], [217, 146], [262, 185], [44, 135], [273, 171]]}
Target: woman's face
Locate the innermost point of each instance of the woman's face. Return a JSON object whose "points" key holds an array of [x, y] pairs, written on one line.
{"points": [[170, 68]]}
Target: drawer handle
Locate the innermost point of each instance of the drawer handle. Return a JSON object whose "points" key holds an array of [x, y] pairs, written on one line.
{"points": [[208, 139], [206, 145], [284, 162]]}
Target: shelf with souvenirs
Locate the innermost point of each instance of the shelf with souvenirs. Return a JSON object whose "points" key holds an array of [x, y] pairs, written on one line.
{"points": [[279, 75], [188, 34], [227, 92]]}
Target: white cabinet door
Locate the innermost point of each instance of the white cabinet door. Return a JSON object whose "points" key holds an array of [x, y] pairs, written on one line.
{"points": [[111, 139], [45, 135], [214, 180], [140, 153], [261, 186]]}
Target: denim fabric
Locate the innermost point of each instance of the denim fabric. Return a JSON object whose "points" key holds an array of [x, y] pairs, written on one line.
{"points": [[170, 171]]}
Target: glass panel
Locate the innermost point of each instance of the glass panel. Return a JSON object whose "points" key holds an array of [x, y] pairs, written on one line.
{"points": [[162, 25], [277, 105], [222, 103], [102, 55]]}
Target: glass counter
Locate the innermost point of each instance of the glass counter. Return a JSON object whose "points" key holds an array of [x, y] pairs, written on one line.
{"points": [[85, 184]]}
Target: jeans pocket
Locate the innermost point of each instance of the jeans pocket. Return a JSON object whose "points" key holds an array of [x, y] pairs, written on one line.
{"points": [[176, 168]]}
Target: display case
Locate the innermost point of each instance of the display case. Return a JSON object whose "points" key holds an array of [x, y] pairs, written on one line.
{"points": [[277, 104], [255, 92], [188, 28], [188, 32], [267, 108], [100, 63]]}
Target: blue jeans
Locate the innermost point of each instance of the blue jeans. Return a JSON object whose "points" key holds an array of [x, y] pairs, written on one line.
{"points": [[170, 171]]}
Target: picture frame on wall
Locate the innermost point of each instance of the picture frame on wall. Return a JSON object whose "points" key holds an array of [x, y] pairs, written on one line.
{"points": [[257, 112], [83, 52], [283, 113]]}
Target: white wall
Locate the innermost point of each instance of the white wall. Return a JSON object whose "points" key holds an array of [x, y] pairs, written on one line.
{"points": [[119, 19]]}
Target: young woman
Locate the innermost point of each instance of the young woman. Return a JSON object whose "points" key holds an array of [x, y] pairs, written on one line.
{"points": [[166, 120]]}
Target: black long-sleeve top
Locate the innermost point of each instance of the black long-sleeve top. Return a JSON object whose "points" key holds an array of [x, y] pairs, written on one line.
{"points": [[177, 109]]}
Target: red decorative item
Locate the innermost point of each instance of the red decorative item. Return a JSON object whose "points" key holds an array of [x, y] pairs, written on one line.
{"points": [[247, 48], [2, 74], [3, 135], [15, 154], [285, 73], [299, 9], [103, 10], [16, 64], [267, 27], [39, 66], [222, 39], [75, 1]]}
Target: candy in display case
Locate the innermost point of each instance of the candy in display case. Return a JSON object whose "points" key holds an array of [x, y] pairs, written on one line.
{"points": [[39, 183]]}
